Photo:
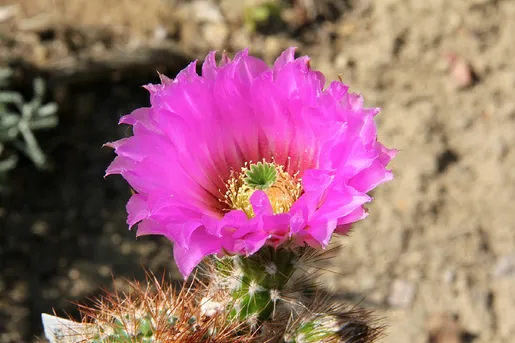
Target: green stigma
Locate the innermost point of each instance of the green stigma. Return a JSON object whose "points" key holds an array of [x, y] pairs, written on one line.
{"points": [[261, 176]]}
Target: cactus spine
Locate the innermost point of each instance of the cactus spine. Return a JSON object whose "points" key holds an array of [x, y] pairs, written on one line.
{"points": [[331, 328], [257, 282], [244, 299]]}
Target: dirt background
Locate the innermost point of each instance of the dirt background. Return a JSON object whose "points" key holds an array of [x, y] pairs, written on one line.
{"points": [[439, 239]]}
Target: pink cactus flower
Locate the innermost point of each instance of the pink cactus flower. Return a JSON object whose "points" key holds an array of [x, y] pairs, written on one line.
{"points": [[247, 155]]}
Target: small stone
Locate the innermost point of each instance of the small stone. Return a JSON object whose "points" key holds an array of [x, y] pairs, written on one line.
{"points": [[215, 34], [105, 271], [368, 282], [8, 12], [346, 29], [460, 71], [74, 274], [296, 16], [116, 239], [240, 39], [444, 328], [341, 61], [401, 294], [126, 248], [449, 276], [206, 11], [19, 291], [233, 10], [160, 33], [40, 54], [273, 46], [39, 228], [50, 293], [455, 20], [505, 266]]}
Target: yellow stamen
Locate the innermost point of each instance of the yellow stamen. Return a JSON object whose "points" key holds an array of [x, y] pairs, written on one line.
{"points": [[282, 193]]}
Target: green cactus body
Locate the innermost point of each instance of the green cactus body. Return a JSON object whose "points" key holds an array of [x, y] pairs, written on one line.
{"points": [[136, 329], [120, 332], [256, 281], [246, 299], [330, 328], [322, 328]]}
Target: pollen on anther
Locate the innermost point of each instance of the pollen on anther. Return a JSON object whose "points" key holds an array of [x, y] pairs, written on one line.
{"points": [[282, 193]]}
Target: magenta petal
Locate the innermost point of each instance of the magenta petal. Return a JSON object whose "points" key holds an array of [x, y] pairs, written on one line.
{"points": [[300, 216], [116, 144], [209, 67], [316, 179], [385, 154], [302, 210], [337, 90], [188, 74], [339, 202], [238, 225], [250, 243], [277, 224], [356, 101], [278, 228], [120, 165], [261, 204], [371, 177], [297, 81], [151, 227], [351, 157], [200, 130], [137, 209], [165, 80], [248, 68], [202, 244], [321, 233], [181, 232], [356, 215], [177, 233], [286, 57], [137, 148], [213, 225], [225, 59], [344, 223], [368, 132], [140, 117]]}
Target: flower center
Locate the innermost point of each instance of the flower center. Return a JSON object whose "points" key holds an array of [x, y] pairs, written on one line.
{"points": [[281, 188]]}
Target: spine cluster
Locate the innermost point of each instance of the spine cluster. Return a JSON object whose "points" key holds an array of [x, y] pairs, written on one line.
{"points": [[270, 296], [274, 292]]}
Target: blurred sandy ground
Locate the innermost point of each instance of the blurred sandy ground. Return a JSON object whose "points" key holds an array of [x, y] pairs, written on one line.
{"points": [[439, 238]]}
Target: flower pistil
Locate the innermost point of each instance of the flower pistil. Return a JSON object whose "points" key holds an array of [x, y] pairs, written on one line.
{"points": [[281, 188]]}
